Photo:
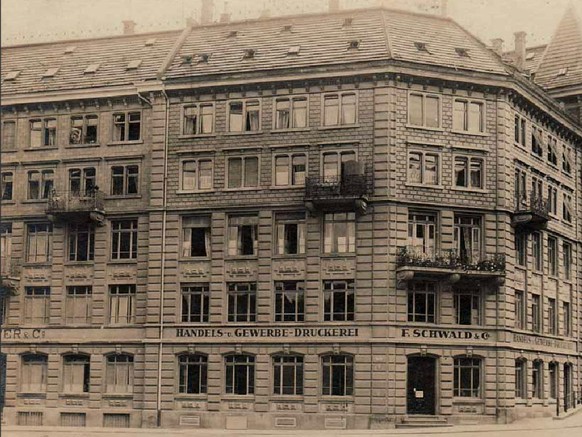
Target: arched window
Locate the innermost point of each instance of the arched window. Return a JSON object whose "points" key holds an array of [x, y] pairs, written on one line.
{"points": [[553, 375], [119, 374], [288, 375], [240, 374], [537, 379], [338, 375], [520, 378], [193, 373], [34, 373], [467, 377], [76, 374]]}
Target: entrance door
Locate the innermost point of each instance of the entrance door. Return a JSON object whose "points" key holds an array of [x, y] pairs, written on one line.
{"points": [[420, 387]]}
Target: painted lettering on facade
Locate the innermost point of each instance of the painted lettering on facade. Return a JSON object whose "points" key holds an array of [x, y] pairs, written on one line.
{"points": [[540, 341], [265, 332], [20, 333], [447, 334]]}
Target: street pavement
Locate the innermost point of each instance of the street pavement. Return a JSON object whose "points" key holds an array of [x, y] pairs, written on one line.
{"points": [[542, 427]]}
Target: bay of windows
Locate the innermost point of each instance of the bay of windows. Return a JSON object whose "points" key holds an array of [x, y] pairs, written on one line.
{"points": [[288, 375]]}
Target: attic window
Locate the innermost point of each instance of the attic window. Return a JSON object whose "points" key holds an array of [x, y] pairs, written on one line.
{"points": [[354, 44], [530, 56], [186, 59], [287, 28], [562, 71], [92, 68], [232, 34], [12, 75], [421, 47], [150, 42], [462, 52], [348, 22], [133, 65], [249, 53], [69, 49], [203, 58], [50, 72], [294, 50]]}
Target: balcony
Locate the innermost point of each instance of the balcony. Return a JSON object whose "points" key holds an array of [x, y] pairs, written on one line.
{"points": [[531, 214], [346, 193], [412, 263], [76, 207], [9, 275]]}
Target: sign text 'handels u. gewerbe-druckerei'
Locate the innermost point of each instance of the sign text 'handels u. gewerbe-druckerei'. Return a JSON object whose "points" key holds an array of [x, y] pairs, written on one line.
{"points": [[265, 332]]}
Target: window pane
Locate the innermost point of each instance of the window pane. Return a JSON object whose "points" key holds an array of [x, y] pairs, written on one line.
{"points": [[415, 110], [251, 172], [432, 112], [281, 170], [235, 117], [331, 110], [235, 172]]}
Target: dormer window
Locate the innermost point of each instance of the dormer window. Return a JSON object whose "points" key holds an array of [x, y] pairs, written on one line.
{"points": [[348, 22], [50, 72], [203, 58], [462, 52], [12, 75], [133, 65], [421, 47], [287, 28], [562, 71], [150, 42], [354, 44], [249, 54], [186, 59], [69, 50], [91, 68], [530, 56], [294, 50], [232, 34]]}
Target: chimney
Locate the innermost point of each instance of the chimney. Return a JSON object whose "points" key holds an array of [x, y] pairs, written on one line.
{"points": [[128, 27], [334, 5], [497, 45], [520, 50], [207, 12]]}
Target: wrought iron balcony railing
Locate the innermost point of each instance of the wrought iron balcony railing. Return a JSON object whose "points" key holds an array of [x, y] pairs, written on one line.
{"points": [[9, 267], [534, 205], [61, 202], [450, 260]]}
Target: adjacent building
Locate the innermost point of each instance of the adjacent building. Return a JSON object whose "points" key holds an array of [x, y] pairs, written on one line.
{"points": [[246, 225]]}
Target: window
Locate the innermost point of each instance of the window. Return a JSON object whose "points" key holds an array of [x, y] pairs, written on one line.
{"points": [[468, 116], [468, 307], [536, 238], [338, 301], [197, 175], [124, 180], [537, 379], [193, 374], [84, 129], [536, 313], [288, 375], [537, 189], [36, 305], [195, 303], [566, 159], [40, 184], [290, 112], [424, 110], [82, 181], [7, 181], [567, 208], [334, 164], [467, 377], [519, 309], [78, 304], [339, 233], [552, 150], [339, 109], [122, 304], [34, 373], [469, 172], [553, 376], [119, 374], [519, 130], [81, 242], [123, 239], [421, 302], [553, 256], [537, 141], [422, 234], [521, 249], [240, 374], [567, 319], [242, 235], [196, 236], [289, 301], [290, 234], [198, 119], [423, 168], [127, 126], [242, 302], [244, 116], [43, 132], [338, 375], [552, 317], [567, 258], [8, 135], [5, 246], [243, 172], [553, 199], [520, 379], [520, 187], [76, 374], [39, 242], [290, 169], [467, 238]]}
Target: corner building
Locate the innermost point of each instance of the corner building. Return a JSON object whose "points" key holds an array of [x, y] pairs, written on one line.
{"points": [[358, 231]]}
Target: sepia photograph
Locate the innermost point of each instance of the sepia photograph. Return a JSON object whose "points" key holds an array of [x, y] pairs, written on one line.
{"points": [[293, 218]]}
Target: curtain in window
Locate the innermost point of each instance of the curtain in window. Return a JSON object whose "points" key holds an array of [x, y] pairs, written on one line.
{"points": [[283, 118]]}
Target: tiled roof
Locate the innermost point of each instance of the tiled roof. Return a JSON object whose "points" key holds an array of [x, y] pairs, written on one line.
{"points": [[533, 56], [563, 53], [324, 40], [112, 54]]}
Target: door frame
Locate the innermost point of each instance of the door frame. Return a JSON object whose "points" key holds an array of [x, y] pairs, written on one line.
{"points": [[436, 382]]}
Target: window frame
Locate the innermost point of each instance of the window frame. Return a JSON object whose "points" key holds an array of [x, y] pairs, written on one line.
{"points": [[69, 385], [331, 236], [249, 296], [36, 298], [552, 151], [282, 362], [466, 116], [476, 314], [46, 184], [567, 207], [469, 159], [188, 223], [340, 109], [537, 251], [536, 313], [474, 365], [291, 98], [521, 391], [7, 186], [283, 287], [9, 143], [183, 375], [234, 230], [244, 116], [87, 182], [280, 241], [127, 124], [552, 316], [537, 141], [348, 364], [26, 383], [521, 243], [249, 364], [519, 306], [73, 232], [423, 167], [187, 292], [345, 296], [45, 256], [537, 375], [423, 289], [45, 132], [243, 175], [112, 365], [71, 298], [83, 134], [567, 257], [199, 124], [197, 178], [520, 131], [291, 174], [424, 96], [553, 256], [116, 252], [114, 317], [127, 175]]}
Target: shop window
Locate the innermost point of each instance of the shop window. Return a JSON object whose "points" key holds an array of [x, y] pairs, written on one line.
{"points": [[40, 184], [124, 180], [242, 235], [340, 109], [520, 379], [421, 302], [519, 309], [119, 374], [243, 172], [424, 110], [82, 181], [122, 304], [36, 305], [76, 374], [467, 377], [422, 234], [339, 233], [240, 374], [7, 185], [33, 377], [339, 301], [197, 175], [43, 132], [290, 234], [468, 307], [198, 119], [469, 116], [195, 303], [536, 313], [84, 129], [123, 239], [242, 302], [521, 249], [423, 168], [537, 379], [290, 169], [244, 116], [193, 374], [290, 112], [39, 242], [289, 301], [127, 126], [78, 304], [195, 236], [81, 242], [467, 238], [469, 172], [288, 375], [338, 375]]}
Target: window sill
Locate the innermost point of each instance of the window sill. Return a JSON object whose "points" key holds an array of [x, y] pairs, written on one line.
{"points": [[240, 257], [335, 398], [122, 143], [565, 223], [234, 134], [78, 263], [42, 149], [233, 397], [128, 196], [38, 264], [286, 398], [336, 255], [32, 394], [194, 258], [74, 395], [189, 137], [8, 202], [122, 261], [35, 201], [195, 191], [554, 166], [340, 126], [286, 187], [470, 148], [8, 150], [467, 400], [243, 189], [291, 130], [470, 190], [190, 397], [470, 133], [520, 401], [117, 395], [420, 185], [82, 146], [432, 129], [290, 256]]}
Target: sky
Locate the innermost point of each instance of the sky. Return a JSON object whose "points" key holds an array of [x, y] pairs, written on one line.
{"points": [[30, 21]]}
